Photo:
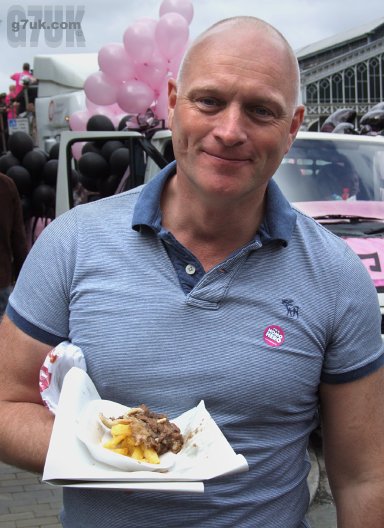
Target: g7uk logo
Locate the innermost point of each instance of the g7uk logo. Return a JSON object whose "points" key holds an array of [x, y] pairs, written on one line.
{"points": [[57, 24]]}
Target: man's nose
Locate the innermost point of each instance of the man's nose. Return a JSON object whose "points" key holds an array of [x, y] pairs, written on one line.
{"points": [[230, 128]]}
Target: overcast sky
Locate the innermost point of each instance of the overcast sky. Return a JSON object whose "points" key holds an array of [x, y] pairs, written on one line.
{"points": [[104, 21]]}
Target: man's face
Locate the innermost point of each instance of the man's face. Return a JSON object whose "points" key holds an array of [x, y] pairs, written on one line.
{"points": [[233, 117]]}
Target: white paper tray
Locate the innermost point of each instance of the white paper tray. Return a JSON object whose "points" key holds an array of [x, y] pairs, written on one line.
{"points": [[206, 453]]}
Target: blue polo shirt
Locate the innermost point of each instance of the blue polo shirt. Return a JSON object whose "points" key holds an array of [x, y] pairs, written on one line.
{"points": [[253, 337]]}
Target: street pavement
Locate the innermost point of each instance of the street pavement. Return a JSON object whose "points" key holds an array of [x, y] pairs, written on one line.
{"points": [[26, 502], [322, 512]]}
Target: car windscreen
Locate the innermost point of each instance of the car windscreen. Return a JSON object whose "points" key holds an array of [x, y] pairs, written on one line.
{"points": [[319, 169]]}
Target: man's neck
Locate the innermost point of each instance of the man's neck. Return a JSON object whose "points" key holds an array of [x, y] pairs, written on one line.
{"points": [[210, 232]]}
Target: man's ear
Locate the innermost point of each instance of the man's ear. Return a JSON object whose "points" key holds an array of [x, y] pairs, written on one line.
{"points": [[172, 96], [297, 121]]}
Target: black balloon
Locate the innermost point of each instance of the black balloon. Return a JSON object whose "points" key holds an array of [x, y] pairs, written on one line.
{"points": [[34, 162], [123, 124], [90, 184], [90, 147], [119, 161], [42, 151], [7, 161], [22, 179], [109, 147], [43, 201], [50, 172], [92, 165], [19, 143], [108, 187], [100, 123], [26, 204], [54, 151]]}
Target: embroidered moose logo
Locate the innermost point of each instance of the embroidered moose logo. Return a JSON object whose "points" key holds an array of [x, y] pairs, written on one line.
{"points": [[292, 309]]}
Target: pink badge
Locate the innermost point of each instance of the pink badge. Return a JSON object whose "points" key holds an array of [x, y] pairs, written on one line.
{"points": [[274, 335]]}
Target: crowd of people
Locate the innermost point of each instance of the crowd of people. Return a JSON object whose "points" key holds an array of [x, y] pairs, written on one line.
{"points": [[18, 100]]}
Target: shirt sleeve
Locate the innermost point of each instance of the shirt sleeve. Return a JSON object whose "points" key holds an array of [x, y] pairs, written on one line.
{"points": [[355, 347]]}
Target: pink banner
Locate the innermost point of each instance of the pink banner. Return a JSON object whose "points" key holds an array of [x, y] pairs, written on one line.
{"points": [[371, 252]]}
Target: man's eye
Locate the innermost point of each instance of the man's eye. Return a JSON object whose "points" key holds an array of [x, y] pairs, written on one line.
{"points": [[208, 102], [261, 112]]}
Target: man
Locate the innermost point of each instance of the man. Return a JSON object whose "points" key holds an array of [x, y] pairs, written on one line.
{"points": [[13, 240], [206, 284]]}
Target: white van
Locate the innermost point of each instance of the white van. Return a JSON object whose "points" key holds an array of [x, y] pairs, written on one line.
{"points": [[60, 92]]}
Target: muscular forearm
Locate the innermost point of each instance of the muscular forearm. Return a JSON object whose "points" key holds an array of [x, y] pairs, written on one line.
{"points": [[25, 434], [361, 505]]}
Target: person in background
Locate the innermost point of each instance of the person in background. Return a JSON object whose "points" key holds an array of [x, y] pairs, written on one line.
{"points": [[13, 241], [271, 314], [23, 78], [10, 101]]}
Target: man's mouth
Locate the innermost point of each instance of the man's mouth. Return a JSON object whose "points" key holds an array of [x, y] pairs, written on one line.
{"points": [[221, 157]]}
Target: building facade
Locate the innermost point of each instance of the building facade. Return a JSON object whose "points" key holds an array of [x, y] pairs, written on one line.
{"points": [[345, 71]]}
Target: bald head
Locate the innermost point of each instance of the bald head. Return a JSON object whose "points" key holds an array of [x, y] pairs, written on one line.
{"points": [[258, 37]]}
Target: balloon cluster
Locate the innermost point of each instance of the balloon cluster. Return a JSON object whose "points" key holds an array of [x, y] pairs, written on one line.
{"points": [[101, 163], [34, 173], [133, 74], [342, 121]]}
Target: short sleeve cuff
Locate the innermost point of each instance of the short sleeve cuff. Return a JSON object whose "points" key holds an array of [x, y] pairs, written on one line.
{"points": [[353, 375], [32, 330]]}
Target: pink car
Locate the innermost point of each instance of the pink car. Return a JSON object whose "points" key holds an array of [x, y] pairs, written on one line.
{"points": [[338, 179]]}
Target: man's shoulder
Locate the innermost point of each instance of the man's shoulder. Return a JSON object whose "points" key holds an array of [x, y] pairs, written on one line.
{"points": [[314, 228], [118, 203]]}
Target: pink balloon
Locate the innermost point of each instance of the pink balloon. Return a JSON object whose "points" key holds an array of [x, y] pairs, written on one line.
{"points": [[135, 97], [171, 34], [183, 7], [175, 62], [161, 107], [78, 121], [115, 62], [77, 148], [108, 110], [100, 89], [139, 39], [153, 71], [90, 106], [116, 118]]}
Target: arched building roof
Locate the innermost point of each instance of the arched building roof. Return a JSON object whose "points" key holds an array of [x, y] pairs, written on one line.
{"points": [[343, 71]]}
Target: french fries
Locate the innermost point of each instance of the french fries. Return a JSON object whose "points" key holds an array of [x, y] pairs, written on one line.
{"points": [[142, 434], [123, 443]]}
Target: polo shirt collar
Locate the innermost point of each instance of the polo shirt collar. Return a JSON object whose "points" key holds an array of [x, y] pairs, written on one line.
{"points": [[277, 225]]}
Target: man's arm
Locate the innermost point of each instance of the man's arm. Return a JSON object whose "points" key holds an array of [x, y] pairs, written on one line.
{"points": [[26, 423], [353, 439]]}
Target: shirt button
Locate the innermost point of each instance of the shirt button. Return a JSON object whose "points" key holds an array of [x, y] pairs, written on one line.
{"points": [[190, 269]]}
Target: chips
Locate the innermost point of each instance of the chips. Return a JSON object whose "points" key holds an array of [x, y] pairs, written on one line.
{"points": [[123, 443]]}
